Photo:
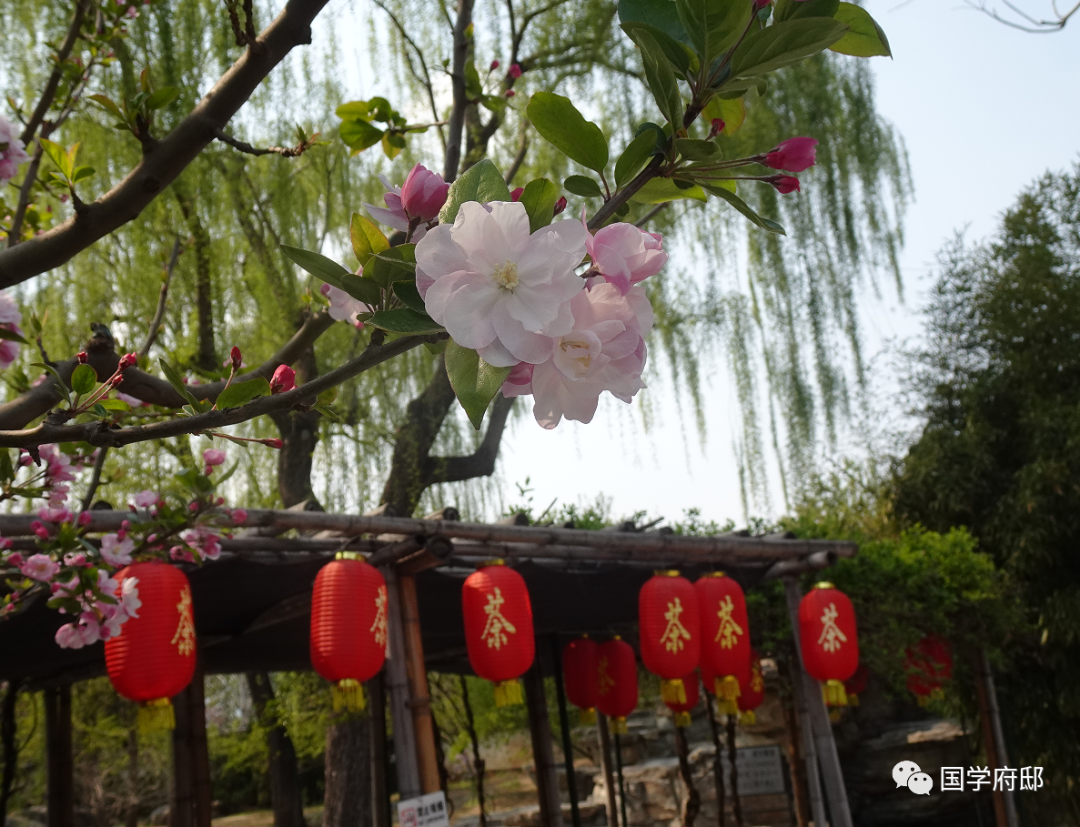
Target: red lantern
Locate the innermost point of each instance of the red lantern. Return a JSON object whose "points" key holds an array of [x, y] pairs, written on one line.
{"points": [[928, 666], [682, 710], [670, 631], [616, 682], [856, 685], [579, 677], [725, 636], [753, 691], [153, 657], [498, 628], [348, 628], [829, 639]]}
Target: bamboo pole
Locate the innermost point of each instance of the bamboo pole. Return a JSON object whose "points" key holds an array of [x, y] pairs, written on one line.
{"points": [[202, 796], [564, 726], [427, 754], [610, 803], [989, 716], [692, 806], [1008, 797], [408, 772], [718, 764], [622, 782], [60, 779], [733, 754], [547, 779], [380, 796]]}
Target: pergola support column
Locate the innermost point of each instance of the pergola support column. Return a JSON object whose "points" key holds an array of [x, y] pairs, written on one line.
{"points": [[60, 773], [427, 754], [397, 680], [547, 779]]}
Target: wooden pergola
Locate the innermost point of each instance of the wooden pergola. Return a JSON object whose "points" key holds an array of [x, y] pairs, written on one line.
{"points": [[252, 611]]}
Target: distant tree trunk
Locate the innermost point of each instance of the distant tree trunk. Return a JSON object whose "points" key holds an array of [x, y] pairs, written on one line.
{"points": [[204, 263], [284, 779], [299, 435], [9, 745], [348, 772]]}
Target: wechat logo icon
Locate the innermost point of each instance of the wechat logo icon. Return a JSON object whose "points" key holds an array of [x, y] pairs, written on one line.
{"points": [[908, 774]]}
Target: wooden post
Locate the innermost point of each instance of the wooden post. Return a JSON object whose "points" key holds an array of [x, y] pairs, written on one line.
{"points": [[796, 760], [799, 685], [564, 726], [993, 739], [718, 763], [622, 782], [692, 806], [181, 801], [427, 754], [380, 797], [547, 779], [60, 776], [397, 678], [610, 804], [202, 796]]}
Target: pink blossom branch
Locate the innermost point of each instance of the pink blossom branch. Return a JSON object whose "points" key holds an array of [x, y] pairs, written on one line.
{"points": [[164, 161]]}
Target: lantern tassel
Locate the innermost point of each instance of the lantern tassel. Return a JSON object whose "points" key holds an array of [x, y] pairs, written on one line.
{"points": [[727, 688], [747, 718], [587, 717], [835, 715], [852, 700], [156, 716], [348, 695], [508, 693], [682, 719], [833, 693], [673, 691], [618, 725]]}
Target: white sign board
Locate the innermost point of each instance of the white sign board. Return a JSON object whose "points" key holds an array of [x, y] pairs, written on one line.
{"points": [[761, 771], [426, 811]]}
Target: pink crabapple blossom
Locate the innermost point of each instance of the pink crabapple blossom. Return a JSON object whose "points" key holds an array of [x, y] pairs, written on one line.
{"points": [[425, 189], [116, 550], [284, 379], [625, 255], [784, 183], [496, 287], [147, 499], [40, 567], [792, 155], [344, 307]]}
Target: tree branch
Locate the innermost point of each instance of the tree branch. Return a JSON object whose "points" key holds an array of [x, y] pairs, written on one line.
{"points": [[159, 313], [457, 84], [53, 83], [161, 165], [283, 151], [99, 433], [481, 463], [95, 479]]}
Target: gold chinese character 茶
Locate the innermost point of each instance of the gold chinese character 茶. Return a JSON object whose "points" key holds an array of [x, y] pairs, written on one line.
{"points": [[831, 636], [675, 634], [756, 681], [604, 681], [379, 624], [185, 629], [729, 630], [497, 627]]}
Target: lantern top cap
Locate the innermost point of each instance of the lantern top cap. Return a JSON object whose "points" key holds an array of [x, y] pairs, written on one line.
{"points": [[716, 574], [617, 637], [824, 584], [666, 573], [496, 561], [348, 555]]}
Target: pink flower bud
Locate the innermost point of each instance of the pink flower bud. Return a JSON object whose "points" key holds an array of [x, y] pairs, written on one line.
{"points": [[515, 71], [793, 155], [275, 443], [716, 128], [234, 355], [193, 506], [494, 65], [423, 193], [239, 516], [85, 518], [510, 93], [14, 559], [560, 205], [125, 525], [81, 357], [127, 360], [284, 379], [515, 195], [784, 183], [219, 501]]}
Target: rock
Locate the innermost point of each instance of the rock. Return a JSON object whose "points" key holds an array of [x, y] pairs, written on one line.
{"points": [[160, 815]]}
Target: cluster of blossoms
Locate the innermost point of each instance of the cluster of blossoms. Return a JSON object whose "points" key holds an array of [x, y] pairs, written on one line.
{"points": [[10, 317], [12, 151]]}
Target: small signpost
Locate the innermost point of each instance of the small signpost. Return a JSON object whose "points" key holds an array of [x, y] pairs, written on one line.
{"points": [[425, 811]]}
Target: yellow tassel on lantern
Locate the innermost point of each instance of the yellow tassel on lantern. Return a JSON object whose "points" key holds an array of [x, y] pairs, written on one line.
{"points": [[348, 696], [618, 725], [682, 719], [852, 700], [727, 694], [587, 717], [747, 718], [155, 716], [833, 693], [508, 693], [673, 692], [835, 715]]}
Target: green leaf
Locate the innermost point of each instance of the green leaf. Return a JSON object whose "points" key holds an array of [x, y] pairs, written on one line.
{"points": [[474, 381], [404, 320], [114, 405], [12, 336], [83, 379], [318, 265], [659, 190], [581, 185], [80, 173], [559, 121], [410, 296], [366, 290], [792, 9], [392, 144], [55, 152], [745, 209], [473, 88], [660, 78], [367, 239], [108, 105], [694, 150], [162, 98], [731, 111], [481, 182], [174, 379], [328, 412], [714, 26], [389, 266], [680, 55], [782, 44], [240, 393], [538, 198], [635, 156], [359, 135], [50, 369], [865, 37], [657, 15]]}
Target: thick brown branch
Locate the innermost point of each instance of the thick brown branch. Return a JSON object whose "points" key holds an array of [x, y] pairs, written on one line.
{"points": [[164, 162], [457, 84], [53, 83], [480, 463], [97, 433], [150, 389]]}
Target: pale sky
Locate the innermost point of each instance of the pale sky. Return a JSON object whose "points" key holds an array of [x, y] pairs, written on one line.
{"points": [[983, 110]]}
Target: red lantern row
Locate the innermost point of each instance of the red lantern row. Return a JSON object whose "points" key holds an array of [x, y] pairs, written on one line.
{"points": [[616, 682], [153, 657], [498, 628]]}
